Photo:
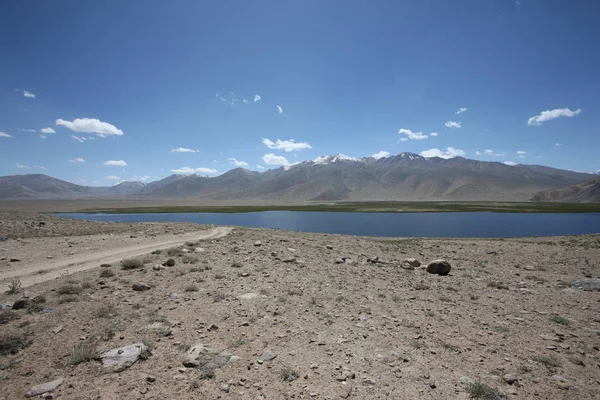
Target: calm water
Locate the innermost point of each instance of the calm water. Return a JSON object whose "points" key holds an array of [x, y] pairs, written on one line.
{"points": [[450, 224]]}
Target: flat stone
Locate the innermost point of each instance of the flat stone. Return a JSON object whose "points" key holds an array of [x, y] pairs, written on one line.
{"points": [[510, 379], [258, 243], [122, 358], [57, 329], [44, 388], [268, 356], [248, 296], [140, 287], [413, 262], [587, 284]]}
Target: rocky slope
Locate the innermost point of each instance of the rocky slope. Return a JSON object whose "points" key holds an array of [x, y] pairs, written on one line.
{"points": [[584, 192]]}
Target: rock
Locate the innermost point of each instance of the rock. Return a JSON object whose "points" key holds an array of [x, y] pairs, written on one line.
{"points": [[44, 388], [258, 243], [224, 387], [150, 379], [329, 247], [432, 384], [48, 395], [156, 268], [199, 250], [15, 260], [208, 360], [466, 381], [161, 329], [248, 296], [510, 379], [21, 303], [57, 329], [169, 263], [140, 287], [212, 327], [440, 267], [339, 260], [268, 356], [529, 268], [412, 262], [290, 260], [375, 260], [587, 284], [407, 266], [577, 361], [351, 262], [122, 358]]}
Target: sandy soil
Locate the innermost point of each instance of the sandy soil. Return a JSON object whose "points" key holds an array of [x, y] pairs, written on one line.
{"points": [[356, 329]]}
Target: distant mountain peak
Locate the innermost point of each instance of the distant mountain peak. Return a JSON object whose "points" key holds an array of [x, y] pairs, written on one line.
{"points": [[335, 158]]}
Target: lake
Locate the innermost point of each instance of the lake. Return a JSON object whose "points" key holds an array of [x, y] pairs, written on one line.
{"points": [[445, 224]]}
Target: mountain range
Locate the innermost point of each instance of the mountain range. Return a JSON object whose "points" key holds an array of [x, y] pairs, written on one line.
{"points": [[583, 192], [402, 177]]}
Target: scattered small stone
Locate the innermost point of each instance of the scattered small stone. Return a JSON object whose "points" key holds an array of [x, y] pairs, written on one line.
{"points": [[212, 327], [268, 356], [413, 262], [244, 274], [432, 384], [169, 263], [224, 387], [339, 260], [150, 379], [44, 388], [440, 267], [140, 287], [258, 243], [510, 379]]}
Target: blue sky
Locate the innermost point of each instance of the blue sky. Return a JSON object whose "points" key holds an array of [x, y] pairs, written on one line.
{"points": [[132, 81]]}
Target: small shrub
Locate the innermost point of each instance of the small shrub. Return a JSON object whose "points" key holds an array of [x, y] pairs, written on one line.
{"points": [[83, 352], [41, 271], [147, 259], [560, 320], [105, 265], [237, 265], [238, 343], [314, 301], [7, 316], [107, 273], [191, 288], [131, 263], [195, 269], [70, 298], [14, 286], [105, 311], [549, 362], [288, 375], [501, 328], [12, 343], [87, 285], [479, 390], [189, 259], [497, 285], [421, 286], [156, 317], [295, 292], [263, 292], [175, 252], [523, 369], [445, 299], [219, 297], [69, 288]]}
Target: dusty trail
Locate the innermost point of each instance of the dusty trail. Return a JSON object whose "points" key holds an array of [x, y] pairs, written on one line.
{"points": [[29, 275]]}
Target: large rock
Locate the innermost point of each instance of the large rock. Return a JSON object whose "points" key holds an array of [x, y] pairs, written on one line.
{"points": [[205, 358], [169, 263], [27, 301], [122, 358], [440, 267], [44, 388], [140, 287], [588, 284]]}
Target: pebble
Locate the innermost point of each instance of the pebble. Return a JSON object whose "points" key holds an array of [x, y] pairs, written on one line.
{"points": [[140, 287], [224, 387], [510, 379], [258, 243]]}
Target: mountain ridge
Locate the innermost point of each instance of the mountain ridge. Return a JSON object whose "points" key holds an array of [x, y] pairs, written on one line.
{"points": [[403, 177]]}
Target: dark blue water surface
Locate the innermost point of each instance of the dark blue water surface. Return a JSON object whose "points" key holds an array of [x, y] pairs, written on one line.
{"points": [[449, 224]]}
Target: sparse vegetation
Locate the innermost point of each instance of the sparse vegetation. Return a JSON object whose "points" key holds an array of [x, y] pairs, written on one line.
{"points": [[70, 298], [523, 369], [219, 296], [549, 362], [105, 265], [560, 320], [263, 292], [157, 252], [7, 316], [479, 390], [191, 288], [175, 252], [131, 263], [195, 269], [105, 311], [107, 273], [288, 375], [14, 286], [12, 342], [497, 285], [83, 352], [87, 285], [69, 288], [189, 259]]}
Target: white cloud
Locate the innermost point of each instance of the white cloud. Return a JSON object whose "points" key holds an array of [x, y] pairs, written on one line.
{"points": [[22, 166], [380, 154], [279, 109], [79, 139], [450, 152], [256, 98], [512, 164], [539, 156], [77, 160], [113, 178], [411, 135], [237, 163], [28, 94], [521, 154], [26, 130], [191, 171], [549, 115], [90, 125], [47, 130], [184, 150], [259, 166], [453, 124], [433, 134], [42, 136], [272, 159], [478, 153], [2, 134], [286, 145], [558, 144], [116, 163], [461, 110], [142, 178], [404, 139], [490, 152]]}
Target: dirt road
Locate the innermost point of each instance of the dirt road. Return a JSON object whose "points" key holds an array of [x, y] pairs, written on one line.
{"points": [[29, 275]]}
